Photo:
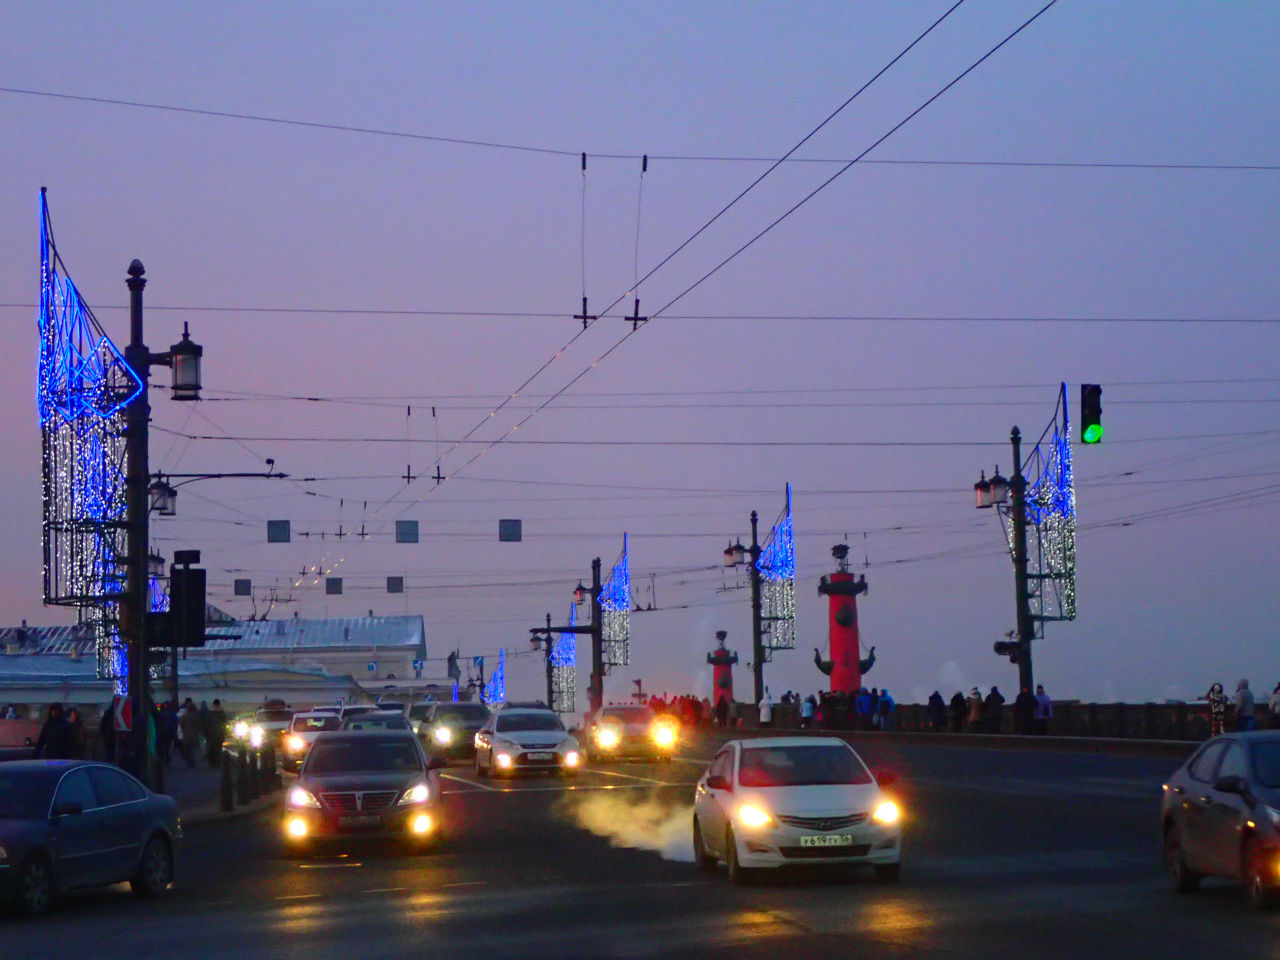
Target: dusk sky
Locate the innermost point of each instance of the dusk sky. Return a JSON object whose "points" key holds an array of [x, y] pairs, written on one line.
{"points": [[1096, 202]]}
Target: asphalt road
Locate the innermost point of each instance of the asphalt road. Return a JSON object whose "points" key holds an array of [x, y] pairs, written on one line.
{"points": [[1006, 854]]}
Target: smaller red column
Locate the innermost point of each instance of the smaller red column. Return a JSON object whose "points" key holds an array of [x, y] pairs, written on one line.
{"points": [[722, 661]]}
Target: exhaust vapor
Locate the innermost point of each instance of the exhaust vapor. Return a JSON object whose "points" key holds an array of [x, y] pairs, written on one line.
{"points": [[641, 823]]}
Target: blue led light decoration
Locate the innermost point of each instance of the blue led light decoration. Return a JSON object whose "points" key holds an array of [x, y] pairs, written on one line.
{"points": [[1051, 520], [615, 606], [82, 387], [777, 566], [564, 669], [159, 592], [495, 691]]}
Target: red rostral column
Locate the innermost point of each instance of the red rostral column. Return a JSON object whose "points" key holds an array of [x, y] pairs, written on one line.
{"points": [[722, 676], [845, 668]]}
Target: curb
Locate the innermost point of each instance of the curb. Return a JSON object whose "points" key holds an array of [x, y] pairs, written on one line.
{"points": [[198, 817]]}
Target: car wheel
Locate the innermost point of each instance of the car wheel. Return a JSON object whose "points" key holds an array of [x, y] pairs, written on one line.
{"points": [[739, 875], [480, 771], [888, 872], [1181, 877], [33, 891], [705, 860], [1257, 890], [155, 872]]}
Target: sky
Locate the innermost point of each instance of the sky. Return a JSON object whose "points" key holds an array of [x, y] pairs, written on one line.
{"points": [[1098, 205]]}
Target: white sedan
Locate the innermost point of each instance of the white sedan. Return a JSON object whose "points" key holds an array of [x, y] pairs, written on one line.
{"points": [[792, 801]]}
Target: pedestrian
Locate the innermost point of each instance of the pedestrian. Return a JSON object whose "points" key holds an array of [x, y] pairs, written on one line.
{"points": [[215, 732], [189, 732], [79, 739], [975, 711], [107, 731], [11, 712], [936, 712], [993, 710], [1044, 711], [766, 709], [875, 708], [862, 710], [1217, 709], [1245, 710], [166, 725], [958, 710], [1273, 706], [885, 707], [57, 737], [808, 707], [1024, 709]]}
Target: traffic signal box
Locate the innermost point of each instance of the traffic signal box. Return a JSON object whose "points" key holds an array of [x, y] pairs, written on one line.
{"points": [[183, 624], [1090, 413], [1009, 648]]}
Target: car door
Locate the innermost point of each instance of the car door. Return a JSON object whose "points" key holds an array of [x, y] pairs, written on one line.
{"points": [[1224, 814], [77, 837], [712, 803], [1195, 802], [484, 741], [122, 814]]}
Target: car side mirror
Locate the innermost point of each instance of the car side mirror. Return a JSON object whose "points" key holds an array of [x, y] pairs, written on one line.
{"points": [[67, 808], [717, 782], [436, 763], [573, 729], [1233, 784]]}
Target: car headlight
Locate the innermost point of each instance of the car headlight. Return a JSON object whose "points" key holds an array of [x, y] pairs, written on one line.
{"points": [[664, 735], [418, 793], [887, 813], [749, 815], [295, 744], [606, 738], [571, 759], [240, 730], [256, 736], [299, 797], [442, 736]]}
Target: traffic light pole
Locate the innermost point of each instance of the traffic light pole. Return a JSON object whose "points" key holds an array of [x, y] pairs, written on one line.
{"points": [[1018, 509], [595, 689], [757, 626]]}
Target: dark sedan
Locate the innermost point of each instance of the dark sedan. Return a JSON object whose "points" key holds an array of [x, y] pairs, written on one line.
{"points": [[1221, 816], [364, 784], [67, 823], [449, 729]]}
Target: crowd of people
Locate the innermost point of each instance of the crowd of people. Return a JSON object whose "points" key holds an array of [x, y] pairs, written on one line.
{"points": [[1243, 708], [185, 729]]}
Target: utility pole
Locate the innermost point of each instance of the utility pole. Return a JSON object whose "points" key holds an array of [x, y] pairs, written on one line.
{"points": [[1026, 623], [134, 603], [595, 694], [757, 627]]}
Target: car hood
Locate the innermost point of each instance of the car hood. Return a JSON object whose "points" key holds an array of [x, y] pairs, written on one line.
{"points": [[526, 738], [814, 800], [347, 782]]}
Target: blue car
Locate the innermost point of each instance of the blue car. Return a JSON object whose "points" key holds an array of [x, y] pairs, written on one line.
{"points": [[67, 824]]}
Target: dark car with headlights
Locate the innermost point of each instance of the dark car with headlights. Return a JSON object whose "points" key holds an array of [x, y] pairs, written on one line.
{"points": [[359, 784], [66, 824], [449, 729], [621, 730], [1220, 816]]}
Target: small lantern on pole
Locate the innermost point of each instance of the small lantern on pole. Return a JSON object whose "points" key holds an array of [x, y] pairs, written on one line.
{"points": [[982, 489], [164, 498], [999, 489], [185, 362]]}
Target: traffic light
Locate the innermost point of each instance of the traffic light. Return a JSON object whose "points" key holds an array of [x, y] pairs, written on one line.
{"points": [[1090, 413], [1009, 648]]}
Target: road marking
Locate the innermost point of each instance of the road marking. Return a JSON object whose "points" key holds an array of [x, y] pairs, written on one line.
{"points": [[384, 889], [629, 776], [465, 883], [469, 783], [328, 866], [300, 896]]}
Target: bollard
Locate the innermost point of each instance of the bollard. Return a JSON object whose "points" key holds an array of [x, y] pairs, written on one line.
{"points": [[272, 781], [265, 763], [226, 799], [157, 774], [255, 780], [242, 777]]}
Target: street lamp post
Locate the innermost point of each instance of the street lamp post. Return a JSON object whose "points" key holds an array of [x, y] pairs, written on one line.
{"points": [[595, 688], [735, 556]]}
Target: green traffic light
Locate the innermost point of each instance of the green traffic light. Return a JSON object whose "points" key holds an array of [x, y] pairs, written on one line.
{"points": [[1092, 433]]}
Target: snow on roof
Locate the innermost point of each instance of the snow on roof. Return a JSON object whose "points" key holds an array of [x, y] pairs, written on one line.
{"points": [[333, 632]]}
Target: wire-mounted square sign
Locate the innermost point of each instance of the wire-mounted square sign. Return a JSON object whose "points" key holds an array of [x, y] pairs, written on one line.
{"points": [[509, 531], [395, 584], [406, 531], [278, 531], [243, 587], [332, 585]]}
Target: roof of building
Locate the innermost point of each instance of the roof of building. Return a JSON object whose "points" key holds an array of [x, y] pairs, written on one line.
{"points": [[62, 669], [332, 633]]}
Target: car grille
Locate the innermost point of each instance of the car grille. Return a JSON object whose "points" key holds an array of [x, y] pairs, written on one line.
{"points": [[366, 802], [824, 853], [525, 761], [540, 746], [823, 824]]}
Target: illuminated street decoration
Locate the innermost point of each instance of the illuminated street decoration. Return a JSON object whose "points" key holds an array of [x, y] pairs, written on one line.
{"points": [[83, 385], [495, 691], [564, 669], [615, 605], [159, 592], [777, 566], [1051, 521]]}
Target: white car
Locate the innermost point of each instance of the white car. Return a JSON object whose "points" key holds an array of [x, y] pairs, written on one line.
{"points": [[303, 731], [794, 801], [517, 739]]}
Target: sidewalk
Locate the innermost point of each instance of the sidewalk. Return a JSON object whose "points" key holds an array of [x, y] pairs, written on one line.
{"points": [[199, 794]]}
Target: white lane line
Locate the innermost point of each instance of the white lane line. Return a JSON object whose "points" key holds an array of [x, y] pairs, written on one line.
{"points": [[469, 783], [464, 883], [629, 776], [328, 866], [384, 889], [300, 896]]}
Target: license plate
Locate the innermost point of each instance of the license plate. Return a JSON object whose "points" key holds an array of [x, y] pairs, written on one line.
{"points": [[362, 821], [827, 840], [541, 756]]}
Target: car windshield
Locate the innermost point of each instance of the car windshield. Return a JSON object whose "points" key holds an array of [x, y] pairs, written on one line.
{"points": [[356, 711], [316, 724], [23, 798], [1266, 762], [627, 715], [374, 755], [378, 723], [462, 712], [274, 716], [799, 766], [529, 721]]}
